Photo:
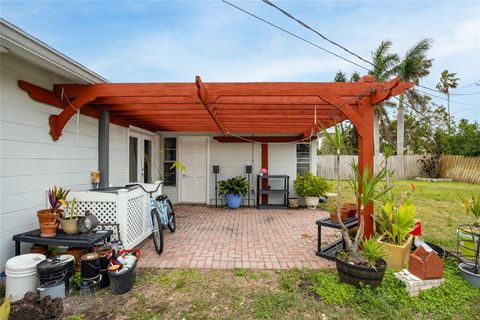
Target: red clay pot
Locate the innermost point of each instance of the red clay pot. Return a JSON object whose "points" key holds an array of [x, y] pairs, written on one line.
{"points": [[48, 230], [48, 216], [343, 214]]}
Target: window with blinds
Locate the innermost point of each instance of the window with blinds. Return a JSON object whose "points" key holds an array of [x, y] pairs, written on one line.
{"points": [[303, 158]]}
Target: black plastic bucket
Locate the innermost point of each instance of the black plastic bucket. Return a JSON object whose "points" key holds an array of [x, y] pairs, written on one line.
{"points": [[104, 262], [356, 275], [122, 282], [53, 271], [90, 266]]}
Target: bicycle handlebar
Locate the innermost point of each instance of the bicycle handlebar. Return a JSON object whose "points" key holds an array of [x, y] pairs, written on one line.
{"points": [[141, 186]]}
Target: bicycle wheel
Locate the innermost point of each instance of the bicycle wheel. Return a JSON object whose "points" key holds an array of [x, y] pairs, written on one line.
{"points": [[157, 231], [172, 221]]}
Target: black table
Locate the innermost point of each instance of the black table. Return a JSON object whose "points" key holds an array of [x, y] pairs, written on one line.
{"points": [[282, 180], [81, 240], [329, 251]]}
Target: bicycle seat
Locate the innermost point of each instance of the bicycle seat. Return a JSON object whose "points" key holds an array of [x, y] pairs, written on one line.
{"points": [[162, 197]]}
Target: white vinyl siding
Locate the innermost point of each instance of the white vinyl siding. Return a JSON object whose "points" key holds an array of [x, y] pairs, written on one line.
{"points": [[31, 161]]}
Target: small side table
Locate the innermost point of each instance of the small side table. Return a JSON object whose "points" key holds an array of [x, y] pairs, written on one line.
{"points": [[329, 251], [82, 240]]}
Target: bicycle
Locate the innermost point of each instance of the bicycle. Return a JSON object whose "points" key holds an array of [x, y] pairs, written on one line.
{"points": [[162, 214]]}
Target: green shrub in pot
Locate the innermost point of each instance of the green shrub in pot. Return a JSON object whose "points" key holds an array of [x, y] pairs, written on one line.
{"points": [[233, 189], [395, 221], [311, 187]]}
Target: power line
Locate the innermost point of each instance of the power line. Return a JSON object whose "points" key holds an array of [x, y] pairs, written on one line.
{"points": [[293, 34], [326, 50], [452, 94], [303, 24], [443, 98], [315, 31]]}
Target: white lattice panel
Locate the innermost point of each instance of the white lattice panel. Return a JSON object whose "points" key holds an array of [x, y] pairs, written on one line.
{"points": [[136, 209], [106, 212], [129, 209]]}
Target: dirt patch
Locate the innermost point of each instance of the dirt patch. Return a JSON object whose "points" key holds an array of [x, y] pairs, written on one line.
{"points": [[31, 306]]}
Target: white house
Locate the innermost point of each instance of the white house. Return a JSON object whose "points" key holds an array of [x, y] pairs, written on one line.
{"points": [[31, 161]]}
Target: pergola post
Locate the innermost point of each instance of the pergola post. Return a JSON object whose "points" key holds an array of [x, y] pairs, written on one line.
{"points": [[366, 154], [103, 147]]}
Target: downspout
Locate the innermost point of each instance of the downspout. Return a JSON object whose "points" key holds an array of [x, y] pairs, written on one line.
{"points": [[103, 147]]}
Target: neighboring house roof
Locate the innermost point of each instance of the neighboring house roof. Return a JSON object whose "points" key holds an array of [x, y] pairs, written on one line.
{"points": [[17, 42]]}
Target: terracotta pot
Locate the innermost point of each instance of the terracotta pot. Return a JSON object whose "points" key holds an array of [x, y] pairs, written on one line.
{"points": [[77, 253], [48, 230], [69, 226], [343, 214], [36, 248], [47, 216], [398, 255], [353, 207]]}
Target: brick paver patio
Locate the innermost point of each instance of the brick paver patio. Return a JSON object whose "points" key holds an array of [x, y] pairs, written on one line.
{"points": [[244, 238]]}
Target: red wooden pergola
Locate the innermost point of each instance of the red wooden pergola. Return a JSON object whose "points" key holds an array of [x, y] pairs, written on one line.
{"points": [[231, 109]]}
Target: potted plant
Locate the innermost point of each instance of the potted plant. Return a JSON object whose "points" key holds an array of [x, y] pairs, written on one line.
{"points": [[233, 189], [70, 224], [468, 242], [395, 222], [51, 215], [361, 262], [311, 187], [49, 229]]}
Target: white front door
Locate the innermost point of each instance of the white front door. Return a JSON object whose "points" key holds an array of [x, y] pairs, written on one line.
{"points": [[140, 151], [193, 154]]}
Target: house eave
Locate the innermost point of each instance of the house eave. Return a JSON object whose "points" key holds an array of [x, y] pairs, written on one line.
{"points": [[21, 44]]}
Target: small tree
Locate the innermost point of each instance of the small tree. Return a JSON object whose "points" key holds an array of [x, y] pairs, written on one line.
{"points": [[365, 187]]}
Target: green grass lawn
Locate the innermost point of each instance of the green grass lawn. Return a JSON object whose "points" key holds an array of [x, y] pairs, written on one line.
{"points": [[286, 294], [437, 208]]}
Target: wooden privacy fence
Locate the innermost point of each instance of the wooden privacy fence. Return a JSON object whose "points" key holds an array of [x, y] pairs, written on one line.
{"points": [[460, 168], [405, 167]]}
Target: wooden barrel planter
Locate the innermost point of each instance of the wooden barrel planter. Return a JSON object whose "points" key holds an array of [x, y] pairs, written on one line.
{"points": [[356, 275]]}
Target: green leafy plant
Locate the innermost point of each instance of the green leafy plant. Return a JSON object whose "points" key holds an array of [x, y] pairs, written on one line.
{"points": [[72, 208], [472, 205], [55, 195], [372, 251], [396, 221], [310, 185], [237, 186]]}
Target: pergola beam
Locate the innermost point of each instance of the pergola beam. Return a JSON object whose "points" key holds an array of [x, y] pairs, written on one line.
{"points": [[203, 97]]}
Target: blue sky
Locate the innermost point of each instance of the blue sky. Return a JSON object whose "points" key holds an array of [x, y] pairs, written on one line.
{"points": [[154, 41]]}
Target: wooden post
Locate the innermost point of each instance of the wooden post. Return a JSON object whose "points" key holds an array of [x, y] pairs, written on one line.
{"points": [[366, 154]]}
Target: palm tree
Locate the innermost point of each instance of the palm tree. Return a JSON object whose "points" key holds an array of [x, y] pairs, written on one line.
{"points": [[447, 81], [414, 66], [385, 63]]}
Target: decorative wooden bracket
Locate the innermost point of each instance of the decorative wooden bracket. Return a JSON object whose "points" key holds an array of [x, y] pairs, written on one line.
{"points": [[58, 122], [344, 107], [391, 88], [203, 97]]}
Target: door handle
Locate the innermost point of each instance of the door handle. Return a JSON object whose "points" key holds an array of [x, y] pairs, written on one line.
{"points": [[184, 175]]}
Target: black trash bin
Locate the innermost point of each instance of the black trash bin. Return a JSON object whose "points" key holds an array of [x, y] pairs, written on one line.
{"points": [[122, 282]]}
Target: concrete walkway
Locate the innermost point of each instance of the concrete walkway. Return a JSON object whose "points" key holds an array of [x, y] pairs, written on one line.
{"points": [[244, 238]]}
